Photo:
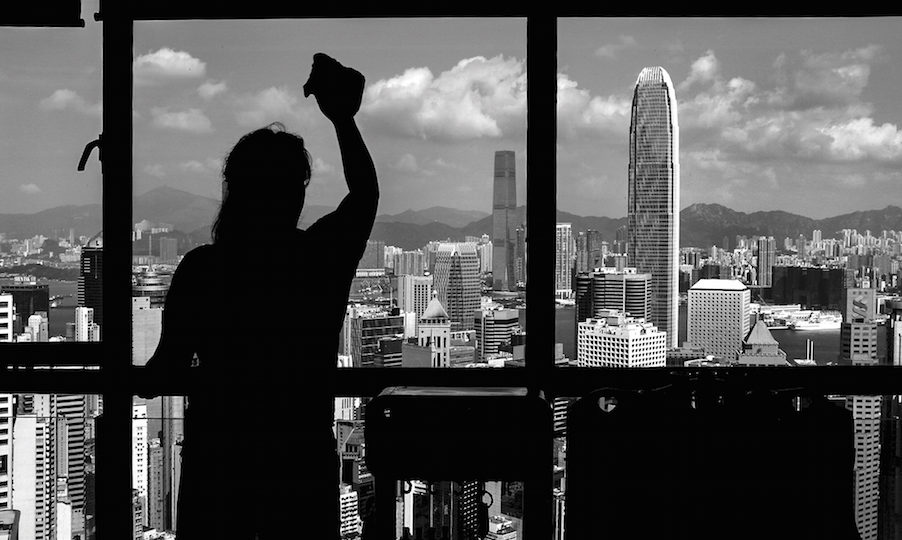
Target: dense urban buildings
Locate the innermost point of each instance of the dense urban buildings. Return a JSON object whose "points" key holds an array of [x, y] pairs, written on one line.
{"points": [[653, 195], [504, 221]]}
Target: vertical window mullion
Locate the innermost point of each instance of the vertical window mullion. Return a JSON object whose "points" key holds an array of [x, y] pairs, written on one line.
{"points": [[113, 446], [541, 212]]}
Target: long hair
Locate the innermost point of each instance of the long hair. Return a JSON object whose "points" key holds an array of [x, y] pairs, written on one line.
{"points": [[264, 176]]}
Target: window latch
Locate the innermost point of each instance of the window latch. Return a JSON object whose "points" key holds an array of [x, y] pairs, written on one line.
{"points": [[86, 153]]}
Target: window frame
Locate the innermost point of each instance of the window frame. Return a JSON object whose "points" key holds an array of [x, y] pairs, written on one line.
{"points": [[117, 380]]}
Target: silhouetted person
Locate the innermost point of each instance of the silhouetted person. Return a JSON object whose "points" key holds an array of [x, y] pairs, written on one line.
{"points": [[261, 310]]}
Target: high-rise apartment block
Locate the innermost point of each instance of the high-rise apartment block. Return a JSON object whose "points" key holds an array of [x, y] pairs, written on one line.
{"points": [[457, 282], [504, 222], [615, 340], [653, 194], [7, 318], [86, 329], [564, 254], [90, 281], [411, 263], [156, 495], [139, 457], [493, 329], [767, 254], [719, 316]]}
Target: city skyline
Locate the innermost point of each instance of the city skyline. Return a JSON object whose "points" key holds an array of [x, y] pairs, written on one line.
{"points": [[807, 112]]}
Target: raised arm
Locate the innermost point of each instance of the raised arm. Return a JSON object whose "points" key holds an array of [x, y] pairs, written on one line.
{"points": [[339, 92]]}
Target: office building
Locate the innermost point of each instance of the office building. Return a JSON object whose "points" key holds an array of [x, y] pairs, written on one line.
{"points": [[759, 348], [151, 285], [147, 325], [564, 255], [615, 340], [889, 516], [504, 221], [718, 316], [811, 287], [653, 194], [457, 282], [858, 345], [29, 298], [414, 293], [173, 432], [767, 254], [365, 331], [493, 329], [90, 280], [156, 496], [625, 290]]}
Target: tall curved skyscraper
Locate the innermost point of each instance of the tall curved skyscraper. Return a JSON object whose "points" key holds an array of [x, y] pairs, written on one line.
{"points": [[653, 202]]}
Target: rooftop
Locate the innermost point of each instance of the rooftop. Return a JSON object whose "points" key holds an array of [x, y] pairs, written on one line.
{"points": [[718, 285]]}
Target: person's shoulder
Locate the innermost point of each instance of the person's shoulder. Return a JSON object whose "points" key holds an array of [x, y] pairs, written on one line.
{"points": [[200, 256]]}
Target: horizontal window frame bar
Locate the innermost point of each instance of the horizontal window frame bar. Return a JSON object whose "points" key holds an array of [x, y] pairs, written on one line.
{"points": [[30, 355], [575, 382]]}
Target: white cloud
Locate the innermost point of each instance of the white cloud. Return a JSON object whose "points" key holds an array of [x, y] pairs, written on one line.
{"points": [[407, 163], [30, 189], [211, 89], [322, 167], [578, 112], [65, 99], [155, 170], [208, 166], [859, 138], [703, 70], [479, 97], [167, 64], [270, 105], [191, 120], [610, 50]]}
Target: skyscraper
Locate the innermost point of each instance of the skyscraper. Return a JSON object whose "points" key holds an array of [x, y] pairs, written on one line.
{"points": [[564, 255], [504, 221], [653, 196], [457, 282], [767, 253], [614, 340], [494, 328]]}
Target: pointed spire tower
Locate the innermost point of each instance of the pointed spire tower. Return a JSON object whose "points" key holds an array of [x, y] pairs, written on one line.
{"points": [[434, 330]]}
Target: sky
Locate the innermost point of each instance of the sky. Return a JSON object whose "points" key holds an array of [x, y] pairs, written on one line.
{"points": [[792, 114]]}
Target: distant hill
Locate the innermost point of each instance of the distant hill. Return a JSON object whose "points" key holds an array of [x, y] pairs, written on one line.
{"points": [[440, 214], [701, 225]]}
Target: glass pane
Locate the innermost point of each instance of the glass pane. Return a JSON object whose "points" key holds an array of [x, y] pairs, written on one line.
{"points": [[50, 214], [47, 460], [444, 120], [753, 203]]}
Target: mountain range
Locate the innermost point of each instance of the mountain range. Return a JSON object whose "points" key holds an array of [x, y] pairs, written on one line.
{"points": [[701, 225]]}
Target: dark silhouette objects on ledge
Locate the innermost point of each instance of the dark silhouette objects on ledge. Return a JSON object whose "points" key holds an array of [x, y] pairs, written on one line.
{"points": [[261, 309]]}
